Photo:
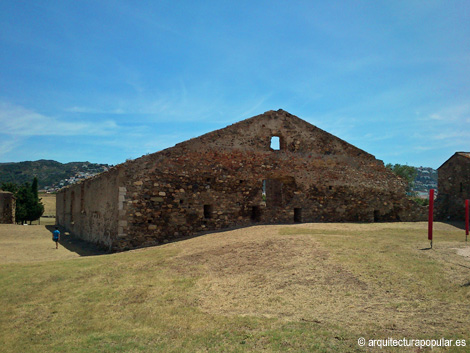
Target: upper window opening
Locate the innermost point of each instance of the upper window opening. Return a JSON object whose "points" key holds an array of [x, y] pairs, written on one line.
{"points": [[276, 143]]}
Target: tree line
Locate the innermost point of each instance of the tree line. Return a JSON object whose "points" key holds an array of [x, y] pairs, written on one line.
{"points": [[28, 204], [409, 174]]}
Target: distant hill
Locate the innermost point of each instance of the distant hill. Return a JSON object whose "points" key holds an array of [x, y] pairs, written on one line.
{"points": [[425, 180], [50, 174]]}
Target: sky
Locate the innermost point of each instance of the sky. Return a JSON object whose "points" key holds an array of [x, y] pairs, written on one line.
{"points": [[106, 81]]}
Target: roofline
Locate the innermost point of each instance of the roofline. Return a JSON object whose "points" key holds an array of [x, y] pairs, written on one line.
{"points": [[455, 154]]}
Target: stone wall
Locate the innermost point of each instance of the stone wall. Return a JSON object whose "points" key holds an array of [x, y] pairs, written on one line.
{"points": [[90, 209], [231, 178], [454, 187], [7, 207]]}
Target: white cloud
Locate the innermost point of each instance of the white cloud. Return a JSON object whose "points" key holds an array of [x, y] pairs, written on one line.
{"points": [[253, 108], [453, 136], [90, 110], [8, 145], [460, 112], [19, 121]]}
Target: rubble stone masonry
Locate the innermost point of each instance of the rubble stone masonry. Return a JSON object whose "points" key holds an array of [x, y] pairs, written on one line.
{"points": [[454, 187], [7, 207], [233, 178]]}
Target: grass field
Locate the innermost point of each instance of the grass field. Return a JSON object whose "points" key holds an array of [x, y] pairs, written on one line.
{"points": [[48, 217], [48, 201], [299, 288]]}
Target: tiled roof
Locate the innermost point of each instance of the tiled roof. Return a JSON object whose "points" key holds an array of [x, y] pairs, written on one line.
{"points": [[464, 154]]}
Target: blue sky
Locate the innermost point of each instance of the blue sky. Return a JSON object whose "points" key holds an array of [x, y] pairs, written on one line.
{"points": [[105, 81]]}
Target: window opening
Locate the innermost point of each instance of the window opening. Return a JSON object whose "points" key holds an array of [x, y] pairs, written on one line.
{"points": [[207, 211], [461, 187], [82, 198], [298, 215], [275, 143], [256, 213], [263, 191], [272, 192], [64, 204], [72, 201], [376, 216]]}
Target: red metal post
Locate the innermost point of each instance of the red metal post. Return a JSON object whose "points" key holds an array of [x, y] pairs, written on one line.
{"points": [[430, 216], [466, 219]]}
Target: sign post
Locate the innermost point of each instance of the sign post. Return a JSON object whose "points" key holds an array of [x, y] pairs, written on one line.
{"points": [[466, 219], [430, 216]]}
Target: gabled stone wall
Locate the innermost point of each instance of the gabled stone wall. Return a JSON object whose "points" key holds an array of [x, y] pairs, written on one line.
{"points": [[231, 177], [454, 187]]}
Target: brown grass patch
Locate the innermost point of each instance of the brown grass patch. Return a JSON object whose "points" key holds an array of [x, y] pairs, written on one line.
{"points": [[49, 202], [33, 243], [365, 276]]}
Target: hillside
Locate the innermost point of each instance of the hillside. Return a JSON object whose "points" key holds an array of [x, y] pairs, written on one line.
{"points": [[425, 180], [50, 174]]}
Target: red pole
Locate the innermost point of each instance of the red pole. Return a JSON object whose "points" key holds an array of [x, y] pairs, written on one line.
{"points": [[466, 219], [430, 216]]}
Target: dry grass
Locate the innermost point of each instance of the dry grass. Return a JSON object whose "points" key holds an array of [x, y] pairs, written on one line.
{"points": [[25, 244], [311, 287], [372, 278], [49, 204]]}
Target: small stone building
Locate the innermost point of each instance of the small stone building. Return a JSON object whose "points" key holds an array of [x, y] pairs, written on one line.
{"points": [[235, 177], [7, 207], [454, 187]]}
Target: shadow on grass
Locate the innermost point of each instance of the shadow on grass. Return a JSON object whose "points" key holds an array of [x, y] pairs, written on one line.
{"points": [[77, 245], [456, 224]]}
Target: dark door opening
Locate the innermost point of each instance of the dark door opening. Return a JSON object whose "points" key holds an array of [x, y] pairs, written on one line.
{"points": [[298, 215], [273, 192], [207, 211], [255, 214], [376, 216]]}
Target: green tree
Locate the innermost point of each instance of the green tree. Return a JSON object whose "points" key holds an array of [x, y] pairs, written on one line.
{"points": [[36, 208], [11, 187], [24, 200], [406, 172], [34, 188], [28, 204]]}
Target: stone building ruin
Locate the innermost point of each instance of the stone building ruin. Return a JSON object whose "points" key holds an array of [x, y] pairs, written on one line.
{"points": [[234, 177], [7, 207], [454, 187]]}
